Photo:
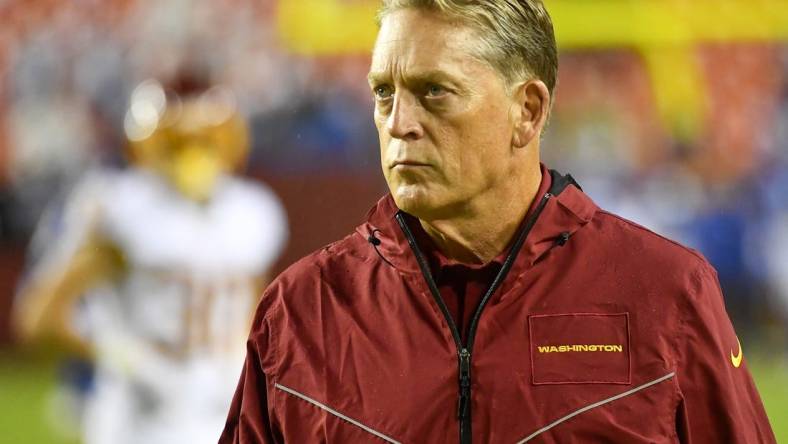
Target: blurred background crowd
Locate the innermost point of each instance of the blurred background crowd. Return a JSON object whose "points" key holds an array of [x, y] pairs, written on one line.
{"points": [[671, 113]]}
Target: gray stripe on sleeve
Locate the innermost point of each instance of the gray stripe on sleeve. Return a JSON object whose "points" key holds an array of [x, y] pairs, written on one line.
{"points": [[335, 413], [595, 405]]}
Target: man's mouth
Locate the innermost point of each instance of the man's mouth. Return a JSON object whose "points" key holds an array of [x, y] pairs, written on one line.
{"points": [[408, 164]]}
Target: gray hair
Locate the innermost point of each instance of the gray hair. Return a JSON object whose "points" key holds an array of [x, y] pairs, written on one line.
{"points": [[516, 36]]}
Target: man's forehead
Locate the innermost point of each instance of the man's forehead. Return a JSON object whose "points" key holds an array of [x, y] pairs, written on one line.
{"points": [[420, 43], [421, 33], [436, 68], [420, 55]]}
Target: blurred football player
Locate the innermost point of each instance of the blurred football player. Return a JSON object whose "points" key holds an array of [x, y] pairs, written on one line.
{"points": [[156, 269]]}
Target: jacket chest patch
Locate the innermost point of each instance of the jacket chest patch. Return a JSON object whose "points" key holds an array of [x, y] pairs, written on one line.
{"points": [[580, 348]]}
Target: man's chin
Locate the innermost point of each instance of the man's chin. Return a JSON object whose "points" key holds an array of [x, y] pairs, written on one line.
{"points": [[413, 201], [422, 204]]}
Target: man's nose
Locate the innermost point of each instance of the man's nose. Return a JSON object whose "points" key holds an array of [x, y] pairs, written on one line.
{"points": [[403, 121]]}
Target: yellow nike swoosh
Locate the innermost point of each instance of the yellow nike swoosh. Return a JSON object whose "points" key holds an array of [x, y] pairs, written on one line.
{"points": [[736, 360]]}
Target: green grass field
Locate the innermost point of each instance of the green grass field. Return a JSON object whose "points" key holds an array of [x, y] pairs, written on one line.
{"points": [[25, 385], [771, 377]]}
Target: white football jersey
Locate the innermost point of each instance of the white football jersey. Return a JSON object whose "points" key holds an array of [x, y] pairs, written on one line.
{"points": [[171, 335]]}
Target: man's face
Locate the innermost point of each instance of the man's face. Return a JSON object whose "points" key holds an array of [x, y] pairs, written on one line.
{"points": [[443, 116]]}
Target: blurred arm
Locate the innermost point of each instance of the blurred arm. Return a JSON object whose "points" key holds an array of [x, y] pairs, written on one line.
{"points": [[46, 305]]}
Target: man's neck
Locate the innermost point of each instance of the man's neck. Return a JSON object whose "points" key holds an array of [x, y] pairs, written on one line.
{"points": [[485, 229]]}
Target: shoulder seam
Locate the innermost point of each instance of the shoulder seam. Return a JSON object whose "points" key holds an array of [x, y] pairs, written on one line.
{"points": [[341, 246], [651, 232]]}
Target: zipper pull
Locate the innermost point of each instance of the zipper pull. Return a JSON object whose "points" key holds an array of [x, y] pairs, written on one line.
{"points": [[465, 384], [465, 368]]}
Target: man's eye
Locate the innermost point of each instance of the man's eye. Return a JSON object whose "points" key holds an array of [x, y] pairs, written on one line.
{"points": [[383, 92], [435, 91]]}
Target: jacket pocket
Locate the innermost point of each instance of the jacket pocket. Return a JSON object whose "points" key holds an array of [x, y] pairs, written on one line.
{"points": [[580, 348]]}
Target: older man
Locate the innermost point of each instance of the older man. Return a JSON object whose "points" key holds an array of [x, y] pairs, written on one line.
{"points": [[487, 299]]}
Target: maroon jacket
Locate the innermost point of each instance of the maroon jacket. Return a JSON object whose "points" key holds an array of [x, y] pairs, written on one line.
{"points": [[596, 330]]}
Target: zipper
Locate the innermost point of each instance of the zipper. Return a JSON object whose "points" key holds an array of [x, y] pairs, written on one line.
{"points": [[507, 265], [464, 401], [464, 352]]}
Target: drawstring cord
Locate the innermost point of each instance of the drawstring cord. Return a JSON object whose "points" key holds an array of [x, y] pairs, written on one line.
{"points": [[372, 239]]}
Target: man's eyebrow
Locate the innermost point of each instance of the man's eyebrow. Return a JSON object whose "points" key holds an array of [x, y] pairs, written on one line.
{"points": [[415, 77], [376, 77]]}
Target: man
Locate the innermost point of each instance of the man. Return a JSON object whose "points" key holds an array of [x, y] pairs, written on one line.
{"points": [[487, 299], [154, 271]]}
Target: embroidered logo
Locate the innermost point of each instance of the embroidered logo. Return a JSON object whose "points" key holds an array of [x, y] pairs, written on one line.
{"points": [[615, 348], [736, 359], [580, 348]]}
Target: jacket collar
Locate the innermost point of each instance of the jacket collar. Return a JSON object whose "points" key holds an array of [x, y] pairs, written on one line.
{"points": [[567, 210]]}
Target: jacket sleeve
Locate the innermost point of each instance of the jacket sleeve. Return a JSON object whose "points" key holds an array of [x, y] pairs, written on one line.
{"points": [[719, 401], [248, 421]]}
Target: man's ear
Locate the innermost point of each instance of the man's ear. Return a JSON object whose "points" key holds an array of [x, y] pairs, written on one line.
{"points": [[532, 102]]}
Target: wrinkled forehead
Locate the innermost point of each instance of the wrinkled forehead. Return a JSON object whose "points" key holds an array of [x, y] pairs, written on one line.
{"points": [[416, 39]]}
